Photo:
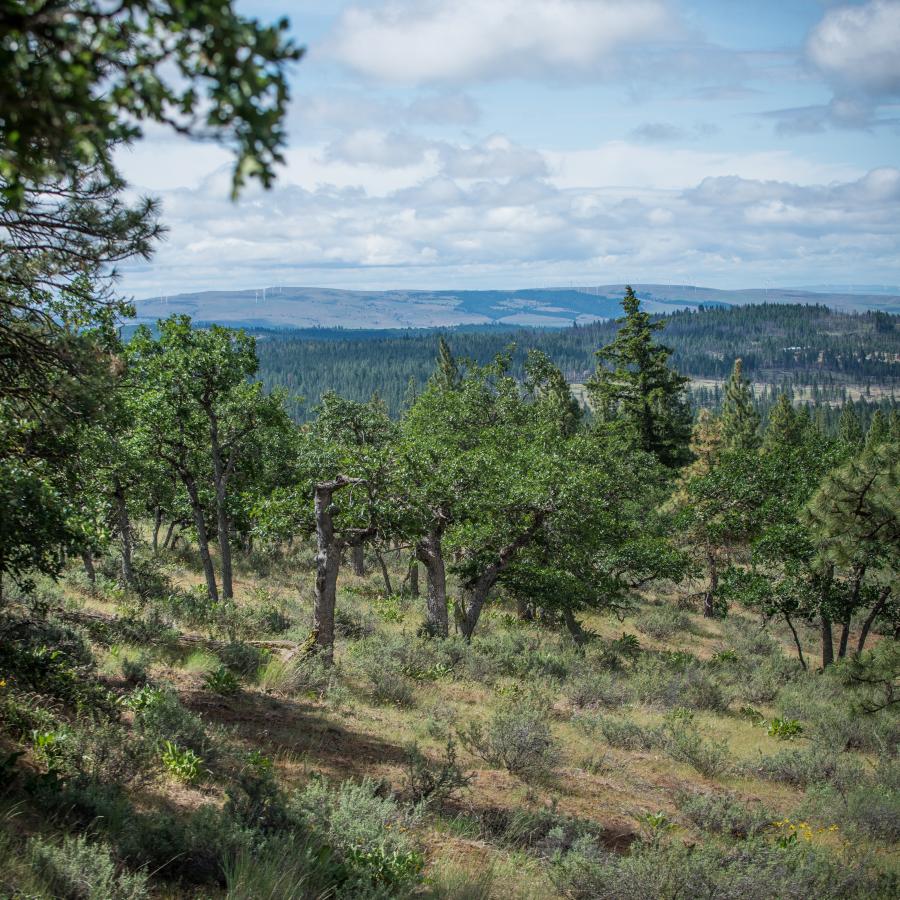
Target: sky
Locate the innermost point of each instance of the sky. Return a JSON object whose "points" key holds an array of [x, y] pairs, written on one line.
{"points": [[532, 143]]}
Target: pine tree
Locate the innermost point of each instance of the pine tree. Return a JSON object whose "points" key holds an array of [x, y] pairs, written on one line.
{"points": [[850, 435], [878, 432], [447, 373], [740, 421], [635, 385], [783, 428], [894, 426]]}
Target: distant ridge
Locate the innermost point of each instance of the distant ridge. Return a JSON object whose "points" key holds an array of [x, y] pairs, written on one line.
{"points": [[551, 307]]}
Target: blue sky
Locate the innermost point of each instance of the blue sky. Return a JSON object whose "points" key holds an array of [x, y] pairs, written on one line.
{"points": [[524, 143]]}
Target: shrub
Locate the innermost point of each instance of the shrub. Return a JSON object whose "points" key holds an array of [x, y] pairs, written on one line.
{"points": [[222, 681], [684, 743], [724, 814], [182, 764], [76, 869], [254, 798], [352, 624], [755, 869], [662, 622], [391, 688], [306, 674], [369, 831], [784, 729], [160, 717], [676, 680], [597, 688], [626, 735], [243, 659], [430, 783], [517, 739], [802, 768]]}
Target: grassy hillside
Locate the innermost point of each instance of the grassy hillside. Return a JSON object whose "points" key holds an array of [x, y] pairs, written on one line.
{"points": [[519, 766]]}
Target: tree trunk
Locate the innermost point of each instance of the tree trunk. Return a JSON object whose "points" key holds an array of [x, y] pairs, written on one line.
{"points": [[827, 642], [157, 524], [167, 545], [477, 590], [430, 552], [384, 573], [328, 563], [524, 612], [358, 560], [574, 626], [859, 572], [709, 599], [124, 526], [797, 643], [414, 577], [220, 476], [870, 619], [88, 557], [845, 637], [202, 537]]}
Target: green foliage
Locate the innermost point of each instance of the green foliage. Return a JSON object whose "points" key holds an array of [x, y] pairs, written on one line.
{"points": [[662, 622], [430, 783], [160, 718], [517, 739], [755, 869], [683, 741], [77, 869], [369, 831], [182, 764], [204, 70], [725, 815], [784, 729], [740, 421], [624, 733], [222, 681]]}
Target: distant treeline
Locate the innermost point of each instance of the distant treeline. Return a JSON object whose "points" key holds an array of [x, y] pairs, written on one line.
{"points": [[784, 345]]}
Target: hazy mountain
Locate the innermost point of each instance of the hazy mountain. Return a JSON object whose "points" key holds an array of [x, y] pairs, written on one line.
{"points": [[305, 307]]}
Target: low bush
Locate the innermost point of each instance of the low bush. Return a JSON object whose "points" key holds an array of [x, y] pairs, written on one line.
{"points": [[662, 622], [76, 869], [517, 738], [625, 734], [305, 674], [222, 681], [802, 768], [684, 743], [596, 688], [674, 680], [370, 832], [755, 869], [182, 764], [724, 814], [243, 659], [160, 717], [434, 783]]}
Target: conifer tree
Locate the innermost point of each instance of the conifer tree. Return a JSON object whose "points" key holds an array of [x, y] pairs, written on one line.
{"points": [[850, 435], [878, 432], [447, 373], [740, 421], [634, 385], [783, 428]]}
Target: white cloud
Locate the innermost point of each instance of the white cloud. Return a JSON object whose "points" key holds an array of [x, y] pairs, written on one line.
{"points": [[437, 229], [858, 47], [460, 40]]}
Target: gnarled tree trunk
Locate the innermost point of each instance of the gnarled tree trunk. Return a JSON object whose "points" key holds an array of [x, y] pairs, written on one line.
{"points": [[709, 598], [209, 572], [123, 522], [358, 560], [431, 554]]}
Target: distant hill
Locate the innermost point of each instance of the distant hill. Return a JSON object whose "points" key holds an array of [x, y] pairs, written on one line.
{"points": [[310, 307]]}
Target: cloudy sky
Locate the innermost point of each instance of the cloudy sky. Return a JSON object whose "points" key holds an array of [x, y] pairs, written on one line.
{"points": [[527, 143]]}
